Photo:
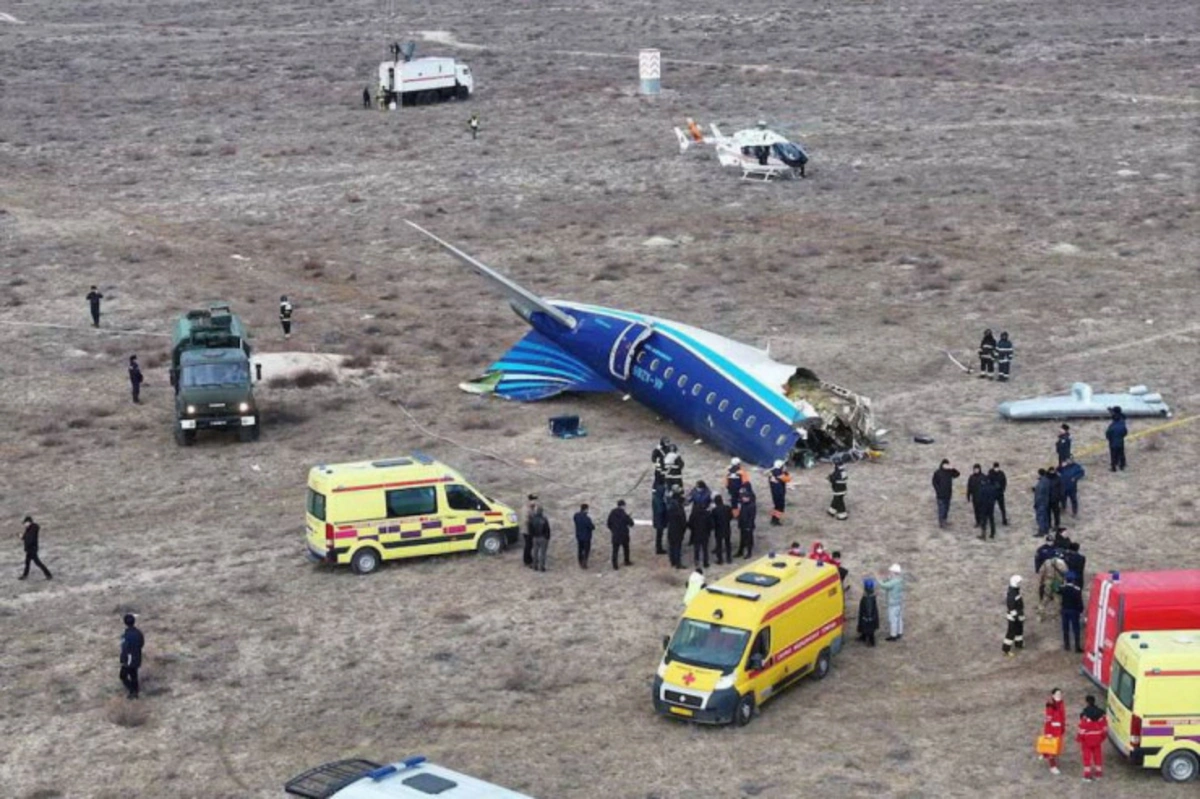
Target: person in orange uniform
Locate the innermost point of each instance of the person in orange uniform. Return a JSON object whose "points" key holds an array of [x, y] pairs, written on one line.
{"points": [[778, 478], [1054, 726], [1093, 729]]}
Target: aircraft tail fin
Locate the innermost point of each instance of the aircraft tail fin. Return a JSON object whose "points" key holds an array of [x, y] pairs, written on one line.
{"points": [[536, 368], [523, 301], [717, 134]]}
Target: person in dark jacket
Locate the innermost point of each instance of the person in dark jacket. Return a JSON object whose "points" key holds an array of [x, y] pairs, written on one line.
{"points": [[527, 555], [658, 508], [1070, 473], [94, 296], [1004, 357], [1047, 551], [584, 527], [619, 524], [1062, 446], [676, 528], [985, 507], [700, 522], [747, 510], [132, 642], [135, 379], [285, 316], [29, 539], [943, 489], [722, 519], [973, 483], [1000, 480], [366, 97], [657, 456], [1041, 503], [777, 479], [1072, 609], [987, 355], [1076, 561], [735, 478], [1115, 434], [1057, 496], [673, 469], [1014, 636], [1093, 730], [539, 531], [868, 613], [837, 482]]}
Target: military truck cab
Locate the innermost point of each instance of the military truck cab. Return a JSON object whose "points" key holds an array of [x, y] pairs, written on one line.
{"points": [[210, 370]]}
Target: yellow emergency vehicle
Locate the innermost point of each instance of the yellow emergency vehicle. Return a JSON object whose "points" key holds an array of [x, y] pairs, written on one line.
{"points": [[748, 636], [1154, 701], [367, 512]]}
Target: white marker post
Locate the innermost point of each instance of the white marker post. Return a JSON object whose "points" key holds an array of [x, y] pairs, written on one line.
{"points": [[649, 70]]}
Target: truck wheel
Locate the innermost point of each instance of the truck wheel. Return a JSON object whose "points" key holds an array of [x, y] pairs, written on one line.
{"points": [[1180, 767], [365, 561], [247, 434], [463, 92], [491, 542], [185, 438], [744, 713], [821, 667]]}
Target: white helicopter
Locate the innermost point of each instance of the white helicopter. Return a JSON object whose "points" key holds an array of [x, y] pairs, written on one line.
{"points": [[760, 153]]}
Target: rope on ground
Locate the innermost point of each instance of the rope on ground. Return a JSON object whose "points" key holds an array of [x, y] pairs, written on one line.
{"points": [[425, 430], [116, 330], [1095, 449]]}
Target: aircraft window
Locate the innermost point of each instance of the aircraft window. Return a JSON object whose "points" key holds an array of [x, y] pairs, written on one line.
{"points": [[682, 381], [723, 406], [696, 389], [737, 415], [750, 420], [711, 398], [766, 430], [670, 370], [782, 438], [654, 365], [641, 356]]}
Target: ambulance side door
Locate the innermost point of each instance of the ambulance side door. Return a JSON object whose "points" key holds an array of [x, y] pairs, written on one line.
{"points": [[463, 516], [760, 666], [413, 524]]}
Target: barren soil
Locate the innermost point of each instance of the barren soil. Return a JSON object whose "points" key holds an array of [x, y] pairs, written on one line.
{"points": [[176, 152]]}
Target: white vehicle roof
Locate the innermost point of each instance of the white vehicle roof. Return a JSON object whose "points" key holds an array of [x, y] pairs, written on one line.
{"points": [[414, 778]]}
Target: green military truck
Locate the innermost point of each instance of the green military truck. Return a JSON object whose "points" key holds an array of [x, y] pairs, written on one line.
{"points": [[210, 370]]}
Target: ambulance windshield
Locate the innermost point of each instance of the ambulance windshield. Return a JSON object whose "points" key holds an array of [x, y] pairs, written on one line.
{"points": [[709, 646]]}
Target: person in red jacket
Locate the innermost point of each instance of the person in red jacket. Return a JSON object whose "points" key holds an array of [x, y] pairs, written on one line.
{"points": [[1093, 729], [1055, 725]]}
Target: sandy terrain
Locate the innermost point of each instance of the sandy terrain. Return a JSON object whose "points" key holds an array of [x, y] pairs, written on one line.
{"points": [[1025, 166]]}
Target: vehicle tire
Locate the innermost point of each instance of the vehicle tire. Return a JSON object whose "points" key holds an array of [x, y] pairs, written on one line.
{"points": [[462, 92], [821, 667], [743, 714], [365, 560], [1180, 767], [185, 438], [247, 434], [491, 543]]}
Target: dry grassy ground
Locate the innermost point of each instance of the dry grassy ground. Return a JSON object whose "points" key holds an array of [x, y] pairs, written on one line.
{"points": [[956, 148]]}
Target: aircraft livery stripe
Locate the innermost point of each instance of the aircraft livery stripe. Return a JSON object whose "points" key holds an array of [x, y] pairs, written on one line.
{"points": [[532, 360], [735, 374], [536, 369]]}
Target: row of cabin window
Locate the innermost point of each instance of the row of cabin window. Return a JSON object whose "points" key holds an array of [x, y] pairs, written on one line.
{"points": [[723, 406]]}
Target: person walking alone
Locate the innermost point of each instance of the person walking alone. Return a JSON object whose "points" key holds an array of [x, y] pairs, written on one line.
{"points": [[530, 509], [29, 538], [94, 296], [584, 527], [132, 642], [1054, 725], [619, 524], [1000, 480], [868, 613], [943, 490], [539, 531], [473, 126], [837, 504], [367, 97], [893, 587], [1093, 730], [135, 379], [285, 316], [1014, 635], [1115, 434], [722, 519]]}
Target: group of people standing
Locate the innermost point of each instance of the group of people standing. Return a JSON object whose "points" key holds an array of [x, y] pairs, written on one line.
{"points": [[995, 356], [1090, 734]]}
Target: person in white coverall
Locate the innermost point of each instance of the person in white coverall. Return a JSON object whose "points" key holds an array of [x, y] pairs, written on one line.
{"points": [[893, 588]]}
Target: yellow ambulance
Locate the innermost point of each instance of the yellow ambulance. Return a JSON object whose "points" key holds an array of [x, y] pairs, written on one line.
{"points": [[1154, 701], [748, 636], [367, 512]]}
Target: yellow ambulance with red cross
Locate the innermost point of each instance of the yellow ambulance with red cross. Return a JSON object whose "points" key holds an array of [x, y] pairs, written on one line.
{"points": [[366, 512], [750, 635]]}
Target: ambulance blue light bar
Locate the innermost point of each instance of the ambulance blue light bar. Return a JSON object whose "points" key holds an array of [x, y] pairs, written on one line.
{"points": [[386, 771]]}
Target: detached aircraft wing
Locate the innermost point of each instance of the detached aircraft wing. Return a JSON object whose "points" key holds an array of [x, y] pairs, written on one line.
{"points": [[523, 301]]}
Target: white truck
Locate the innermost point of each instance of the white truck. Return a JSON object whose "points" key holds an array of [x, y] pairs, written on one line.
{"points": [[416, 81]]}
